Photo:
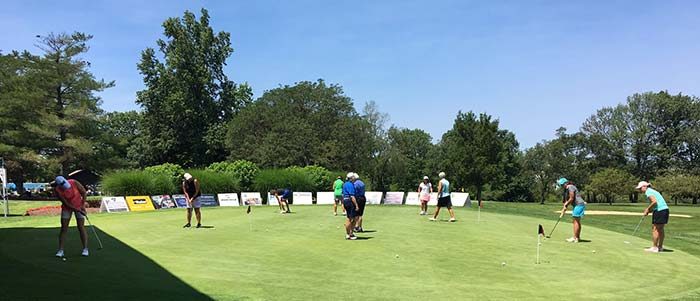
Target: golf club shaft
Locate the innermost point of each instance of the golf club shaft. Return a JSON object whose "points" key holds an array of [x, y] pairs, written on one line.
{"points": [[555, 226], [94, 231], [638, 224]]}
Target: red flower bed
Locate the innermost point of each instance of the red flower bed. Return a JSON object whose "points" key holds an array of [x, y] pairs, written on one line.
{"points": [[53, 210]]}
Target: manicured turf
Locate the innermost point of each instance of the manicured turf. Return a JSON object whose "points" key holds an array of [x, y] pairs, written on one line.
{"points": [[303, 256]]}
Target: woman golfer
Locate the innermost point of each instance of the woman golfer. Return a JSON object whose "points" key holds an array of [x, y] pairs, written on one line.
{"points": [[659, 217], [572, 196], [190, 187], [72, 195], [424, 191], [444, 199]]}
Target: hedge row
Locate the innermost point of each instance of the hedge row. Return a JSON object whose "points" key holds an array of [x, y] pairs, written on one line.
{"points": [[219, 177]]}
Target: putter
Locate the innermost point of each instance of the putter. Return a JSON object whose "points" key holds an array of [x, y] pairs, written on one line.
{"points": [[636, 228], [555, 226], [93, 231]]}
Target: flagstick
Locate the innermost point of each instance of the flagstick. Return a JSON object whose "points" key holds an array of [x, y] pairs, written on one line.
{"points": [[478, 216], [538, 248]]}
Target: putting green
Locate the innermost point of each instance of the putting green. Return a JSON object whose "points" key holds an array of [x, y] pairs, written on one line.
{"points": [[303, 256]]}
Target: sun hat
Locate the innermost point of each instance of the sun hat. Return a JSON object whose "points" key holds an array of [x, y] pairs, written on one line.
{"points": [[643, 184]]}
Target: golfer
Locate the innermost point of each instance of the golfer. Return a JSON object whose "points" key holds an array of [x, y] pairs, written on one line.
{"points": [[444, 199], [190, 187], [338, 195], [572, 196], [350, 204], [283, 196], [361, 201], [72, 195], [659, 217], [425, 188]]}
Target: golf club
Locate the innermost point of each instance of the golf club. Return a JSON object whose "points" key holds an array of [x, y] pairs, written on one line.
{"points": [[636, 228], [93, 230], [555, 226]]}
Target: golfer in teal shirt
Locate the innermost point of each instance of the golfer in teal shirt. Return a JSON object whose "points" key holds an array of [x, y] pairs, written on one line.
{"points": [[659, 217]]}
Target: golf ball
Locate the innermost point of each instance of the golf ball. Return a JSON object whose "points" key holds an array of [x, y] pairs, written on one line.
{"points": [[64, 259], [593, 251], [397, 255], [503, 263]]}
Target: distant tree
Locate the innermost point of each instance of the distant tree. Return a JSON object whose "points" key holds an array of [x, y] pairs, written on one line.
{"points": [[478, 153], [404, 162], [612, 182], [188, 98], [676, 186], [115, 143], [309, 123]]}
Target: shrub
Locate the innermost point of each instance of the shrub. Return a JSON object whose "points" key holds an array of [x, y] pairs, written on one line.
{"points": [[135, 182], [211, 182], [173, 171], [293, 178], [242, 170]]}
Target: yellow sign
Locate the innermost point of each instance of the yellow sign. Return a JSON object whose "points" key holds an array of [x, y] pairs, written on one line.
{"points": [[139, 203]]}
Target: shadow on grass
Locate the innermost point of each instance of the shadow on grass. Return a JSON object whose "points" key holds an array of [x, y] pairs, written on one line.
{"points": [[117, 272]]}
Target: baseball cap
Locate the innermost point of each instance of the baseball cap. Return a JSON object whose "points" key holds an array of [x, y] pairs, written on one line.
{"points": [[62, 182], [187, 176], [426, 178], [643, 184], [562, 181]]}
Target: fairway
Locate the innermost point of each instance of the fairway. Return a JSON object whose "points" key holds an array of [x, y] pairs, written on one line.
{"points": [[303, 256]]}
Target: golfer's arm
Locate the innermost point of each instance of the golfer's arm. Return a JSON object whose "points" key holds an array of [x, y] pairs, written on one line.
{"points": [[652, 203], [570, 200], [439, 189], [64, 202], [196, 187], [354, 202], [184, 191], [82, 191]]}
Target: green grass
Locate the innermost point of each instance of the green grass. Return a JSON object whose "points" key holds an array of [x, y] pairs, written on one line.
{"points": [[303, 256]]}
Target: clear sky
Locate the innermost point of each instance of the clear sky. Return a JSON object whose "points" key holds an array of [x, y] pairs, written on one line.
{"points": [[535, 65]]}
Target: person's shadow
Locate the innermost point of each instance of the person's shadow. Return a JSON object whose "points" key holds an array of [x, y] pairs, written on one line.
{"points": [[117, 272]]}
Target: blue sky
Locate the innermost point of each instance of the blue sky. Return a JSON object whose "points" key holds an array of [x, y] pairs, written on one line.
{"points": [[535, 65]]}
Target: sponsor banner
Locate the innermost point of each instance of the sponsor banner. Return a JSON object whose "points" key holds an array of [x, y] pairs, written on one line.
{"points": [[139, 203], [251, 198], [163, 202], [302, 198], [113, 204], [208, 200], [393, 198], [271, 199], [180, 200], [373, 197], [460, 199], [412, 198], [228, 199], [3, 177], [325, 198]]}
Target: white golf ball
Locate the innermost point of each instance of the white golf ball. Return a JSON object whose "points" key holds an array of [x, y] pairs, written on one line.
{"points": [[503, 263], [397, 255], [64, 259], [593, 251]]}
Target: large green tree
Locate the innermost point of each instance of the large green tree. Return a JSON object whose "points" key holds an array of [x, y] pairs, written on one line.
{"points": [[309, 123], [188, 97], [49, 108], [404, 162], [479, 153]]}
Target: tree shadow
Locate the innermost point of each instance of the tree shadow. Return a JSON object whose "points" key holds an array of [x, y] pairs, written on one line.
{"points": [[117, 272]]}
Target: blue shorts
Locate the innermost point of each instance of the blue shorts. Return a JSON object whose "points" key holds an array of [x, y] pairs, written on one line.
{"points": [[579, 210], [350, 211]]}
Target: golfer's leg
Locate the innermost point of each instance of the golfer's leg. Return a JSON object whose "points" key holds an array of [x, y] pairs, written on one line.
{"points": [[654, 235], [577, 227], [452, 212], [198, 215], [335, 208], [62, 235], [437, 212], [189, 215], [83, 233], [662, 235]]}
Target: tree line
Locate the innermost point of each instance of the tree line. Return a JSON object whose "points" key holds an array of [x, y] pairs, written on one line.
{"points": [[193, 115]]}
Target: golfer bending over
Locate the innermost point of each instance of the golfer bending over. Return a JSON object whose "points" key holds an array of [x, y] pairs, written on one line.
{"points": [[350, 204], [659, 218], [283, 196], [72, 195], [444, 199], [572, 196], [190, 187]]}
